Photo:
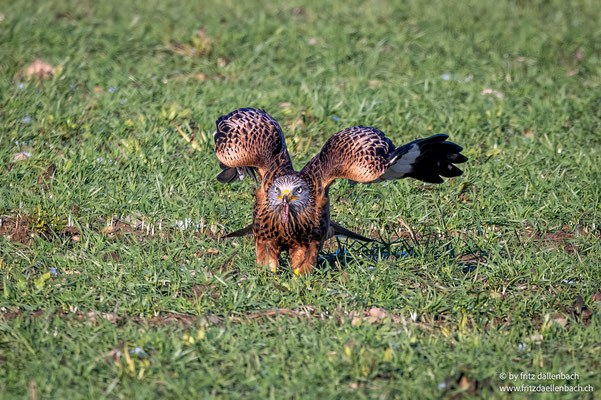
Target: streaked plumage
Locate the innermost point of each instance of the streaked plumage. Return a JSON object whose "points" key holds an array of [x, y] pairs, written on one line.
{"points": [[292, 209]]}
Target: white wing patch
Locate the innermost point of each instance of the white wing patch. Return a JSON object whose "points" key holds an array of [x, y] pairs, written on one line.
{"points": [[403, 165]]}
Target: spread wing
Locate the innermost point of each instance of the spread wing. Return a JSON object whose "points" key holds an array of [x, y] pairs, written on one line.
{"points": [[248, 141], [364, 154]]}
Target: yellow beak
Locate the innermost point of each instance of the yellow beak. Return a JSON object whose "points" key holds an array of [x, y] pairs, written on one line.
{"points": [[286, 194]]}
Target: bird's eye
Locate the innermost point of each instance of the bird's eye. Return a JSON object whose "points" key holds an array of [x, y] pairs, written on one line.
{"points": [[299, 190], [277, 189]]}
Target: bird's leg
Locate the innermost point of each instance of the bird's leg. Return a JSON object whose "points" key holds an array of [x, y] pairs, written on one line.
{"points": [[267, 255], [304, 258]]}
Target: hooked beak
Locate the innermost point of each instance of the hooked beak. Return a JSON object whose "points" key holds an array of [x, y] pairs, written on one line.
{"points": [[286, 197]]}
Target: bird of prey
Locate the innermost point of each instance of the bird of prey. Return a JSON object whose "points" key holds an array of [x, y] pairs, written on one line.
{"points": [[292, 208]]}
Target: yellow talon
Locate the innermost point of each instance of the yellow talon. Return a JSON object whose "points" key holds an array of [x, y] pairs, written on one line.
{"points": [[297, 272]]}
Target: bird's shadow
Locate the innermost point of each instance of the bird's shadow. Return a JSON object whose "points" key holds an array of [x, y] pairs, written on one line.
{"points": [[382, 249]]}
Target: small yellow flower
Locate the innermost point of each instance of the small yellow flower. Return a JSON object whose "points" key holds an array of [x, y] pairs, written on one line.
{"points": [[188, 339]]}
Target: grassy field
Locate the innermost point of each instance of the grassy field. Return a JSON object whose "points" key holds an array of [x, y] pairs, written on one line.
{"points": [[115, 284]]}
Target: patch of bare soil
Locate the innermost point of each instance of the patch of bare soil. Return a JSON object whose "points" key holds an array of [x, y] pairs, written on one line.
{"points": [[565, 317], [22, 228], [464, 384], [45, 177], [96, 316], [141, 231], [306, 313], [16, 229], [114, 256], [558, 241], [19, 229], [200, 290], [561, 240]]}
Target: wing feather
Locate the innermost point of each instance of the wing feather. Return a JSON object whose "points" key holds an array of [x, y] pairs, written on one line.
{"points": [[359, 153], [365, 154], [249, 140]]}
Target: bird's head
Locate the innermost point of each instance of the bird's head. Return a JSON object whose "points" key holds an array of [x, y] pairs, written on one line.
{"points": [[289, 194]]}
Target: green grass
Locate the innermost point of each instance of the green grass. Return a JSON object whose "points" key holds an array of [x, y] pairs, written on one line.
{"points": [[527, 208]]}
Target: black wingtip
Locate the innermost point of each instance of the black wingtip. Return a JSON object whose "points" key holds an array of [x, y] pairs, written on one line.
{"points": [[459, 158], [341, 230], [228, 175], [436, 159], [246, 231]]}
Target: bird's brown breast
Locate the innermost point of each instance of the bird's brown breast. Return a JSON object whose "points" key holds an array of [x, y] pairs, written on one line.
{"points": [[301, 226]]}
